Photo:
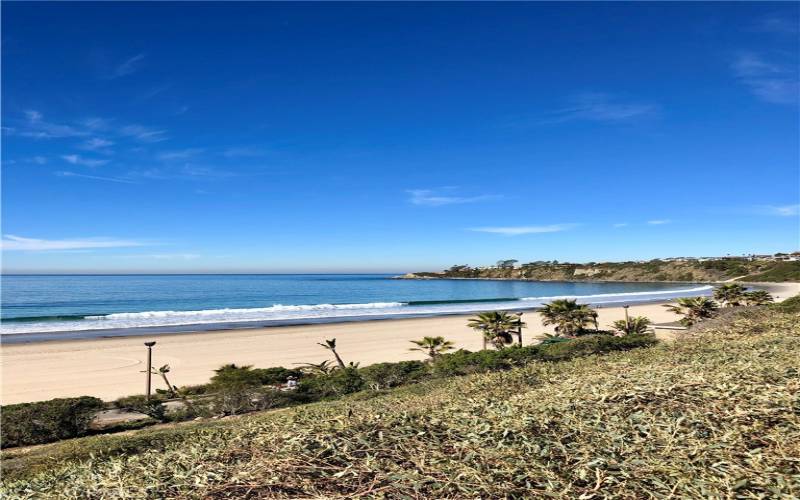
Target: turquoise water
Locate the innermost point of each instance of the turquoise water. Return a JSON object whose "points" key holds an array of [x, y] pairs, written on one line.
{"points": [[39, 304]]}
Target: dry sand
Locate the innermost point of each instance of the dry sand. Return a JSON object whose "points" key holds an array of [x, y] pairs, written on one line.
{"points": [[112, 367]]}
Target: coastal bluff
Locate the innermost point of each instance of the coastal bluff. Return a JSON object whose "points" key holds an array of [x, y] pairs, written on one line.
{"points": [[667, 270]]}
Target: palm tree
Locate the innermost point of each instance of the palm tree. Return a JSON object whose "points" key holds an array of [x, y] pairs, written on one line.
{"points": [[758, 298], [693, 309], [434, 346], [730, 294], [331, 346], [163, 372], [496, 327], [637, 324], [323, 368], [569, 317]]}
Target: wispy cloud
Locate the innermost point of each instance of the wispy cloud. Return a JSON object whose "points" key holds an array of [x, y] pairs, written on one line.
{"points": [[243, 152], [127, 67], [155, 91], [35, 126], [37, 160], [86, 162], [778, 210], [600, 107], [658, 222], [11, 242], [179, 155], [777, 24], [430, 198], [173, 256], [121, 180], [143, 134], [518, 230], [96, 144], [186, 172], [620, 224], [768, 80]]}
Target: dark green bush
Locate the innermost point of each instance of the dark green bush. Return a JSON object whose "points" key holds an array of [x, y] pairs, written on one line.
{"points": [[790, 305], [46, 421], [253, 376], [596, 344], [331, 385], [464, 362], [238, 398], [387, 375], [153, 408]]}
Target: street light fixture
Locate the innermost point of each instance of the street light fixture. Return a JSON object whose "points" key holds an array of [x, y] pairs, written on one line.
{"points": [[149, 367]]}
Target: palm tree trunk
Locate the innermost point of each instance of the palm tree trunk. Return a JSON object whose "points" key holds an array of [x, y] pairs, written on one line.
{"points": [[169, 386], [338, 359]]}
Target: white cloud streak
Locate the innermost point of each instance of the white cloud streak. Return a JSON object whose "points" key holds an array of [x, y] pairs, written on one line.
{"points": [[143, 134], [519, 230], [11, 242], [86, 162], [779, 210], [96, 177], [430, 198], [599, 107], [769, 81], [182, 154], [96, 144], [658, 222], [127, 67]]}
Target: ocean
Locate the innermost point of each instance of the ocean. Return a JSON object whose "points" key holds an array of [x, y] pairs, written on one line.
{"points": [[42, 307]]}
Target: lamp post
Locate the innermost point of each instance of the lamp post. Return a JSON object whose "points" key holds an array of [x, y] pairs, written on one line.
{"points": [[149, 367], [519, 328]]}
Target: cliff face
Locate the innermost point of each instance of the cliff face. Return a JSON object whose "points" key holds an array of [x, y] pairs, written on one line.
{"points": [[654, 270]]}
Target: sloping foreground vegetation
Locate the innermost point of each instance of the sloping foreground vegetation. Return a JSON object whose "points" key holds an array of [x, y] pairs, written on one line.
{"points": [[713, 415]]}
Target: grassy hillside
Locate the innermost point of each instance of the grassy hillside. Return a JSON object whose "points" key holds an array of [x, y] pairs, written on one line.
{"points": [[654, 270], [714, 415]]}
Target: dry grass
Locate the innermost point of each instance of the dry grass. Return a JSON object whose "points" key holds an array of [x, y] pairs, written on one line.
{"points": [[714, 415]]}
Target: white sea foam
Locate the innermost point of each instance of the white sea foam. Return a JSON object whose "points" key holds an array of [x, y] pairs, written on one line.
{"points": [[317, 312], [248, 313]]}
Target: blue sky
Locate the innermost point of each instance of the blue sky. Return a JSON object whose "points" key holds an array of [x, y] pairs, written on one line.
{"points": [[392, 137]]}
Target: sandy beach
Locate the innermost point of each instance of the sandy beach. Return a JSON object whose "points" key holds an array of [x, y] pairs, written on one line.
{"points": [[112, 367]]}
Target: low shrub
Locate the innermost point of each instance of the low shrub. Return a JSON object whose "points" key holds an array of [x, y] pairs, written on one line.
{"points": [[597, 344], [153, 407], [253, 376], [235, 399], [790, 305], [553, 349], [388, 375], [46, 421], [331, 385]]}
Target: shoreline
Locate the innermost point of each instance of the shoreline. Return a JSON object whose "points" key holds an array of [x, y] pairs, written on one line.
{"points": [[216, 328], [109, 368], [779, 290], [413, 310]]}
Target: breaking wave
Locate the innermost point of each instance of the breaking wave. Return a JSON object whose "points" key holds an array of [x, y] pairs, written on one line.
{"points": [[275, 314]]}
